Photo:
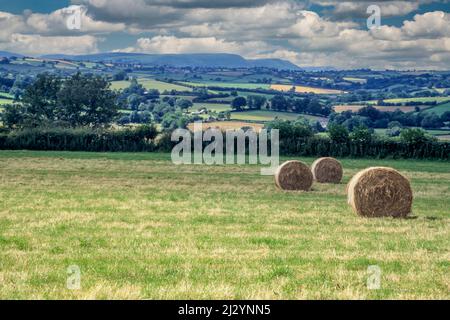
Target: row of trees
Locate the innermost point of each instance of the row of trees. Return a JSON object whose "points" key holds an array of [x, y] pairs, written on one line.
{"points": [[296, 139], [80, 100], [374, 118], [281, 103]]}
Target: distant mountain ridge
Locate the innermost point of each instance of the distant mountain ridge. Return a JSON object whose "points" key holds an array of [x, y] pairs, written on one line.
{"points": [[7, 54], [214, 60]]}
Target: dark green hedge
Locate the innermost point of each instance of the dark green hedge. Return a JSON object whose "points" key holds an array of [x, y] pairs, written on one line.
{"points": [[83, 139], [144, 139]]}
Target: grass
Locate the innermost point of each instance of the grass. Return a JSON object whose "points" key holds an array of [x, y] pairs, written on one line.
{"points": [[138, 230], [162, 86], [356, 108], [263, 115], [6, 101], [439, 110], [407, 100], [216, 107], [150, 84], [236, 85]]}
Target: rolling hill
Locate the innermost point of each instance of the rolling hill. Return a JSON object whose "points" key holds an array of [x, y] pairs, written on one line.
{"points": [[7, 54], [212, 60]]}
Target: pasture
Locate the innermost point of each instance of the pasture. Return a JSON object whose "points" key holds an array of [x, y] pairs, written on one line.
{"points": [[150, 84], [267, 115], [408, 100], [356, 108], [440, 109], [216, 107], [230, 85], [139, 227]]}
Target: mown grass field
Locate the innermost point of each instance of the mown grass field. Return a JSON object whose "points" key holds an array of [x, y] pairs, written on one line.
{"points": [[356, 108], [407, 100], [216, 107], [150, 84], [439, 110], [140, 227], [268, 115], [236, 85]]}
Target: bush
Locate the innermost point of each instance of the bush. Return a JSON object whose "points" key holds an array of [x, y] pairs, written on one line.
{"points": [[81, 139]]}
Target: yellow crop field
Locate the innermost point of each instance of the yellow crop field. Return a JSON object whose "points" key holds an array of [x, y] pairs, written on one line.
{"points": [[304, 89]]}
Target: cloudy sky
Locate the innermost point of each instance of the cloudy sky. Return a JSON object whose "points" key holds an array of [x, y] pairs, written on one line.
{"points": [[413, 34]]}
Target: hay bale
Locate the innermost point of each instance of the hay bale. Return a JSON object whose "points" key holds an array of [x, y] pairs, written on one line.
{"points": [[294, 175], [327, 170], [380, 192]]}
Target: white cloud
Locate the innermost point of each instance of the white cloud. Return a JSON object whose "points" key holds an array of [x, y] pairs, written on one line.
{"points": [[276, 29], [430, 24], [37, 44], [172, 44]]}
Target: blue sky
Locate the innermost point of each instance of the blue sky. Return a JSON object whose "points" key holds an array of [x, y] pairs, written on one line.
{"points": [[412, 34]]}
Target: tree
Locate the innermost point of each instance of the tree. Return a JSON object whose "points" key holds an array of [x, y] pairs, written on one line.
{"points": [[256, 102], [431, 121], [184, 104], [86, 100], [314, 107], [338, 133], [120, 76], [13, 116], [414, 136], [445, 117], [238, 103], [361, 135], [40, 100], [279, 102]]}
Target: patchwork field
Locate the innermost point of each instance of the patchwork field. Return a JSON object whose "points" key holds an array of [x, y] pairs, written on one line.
{"points": [[440, 109], [228, 125], [265, 115], [5, 101], [355, 108], [236, 85], [302, 89], [139, 227], [150, 84], [407, 100], [211, 107]]}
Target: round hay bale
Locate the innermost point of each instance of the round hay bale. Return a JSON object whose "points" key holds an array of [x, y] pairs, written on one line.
{"points": [[327, 170], [380, 192], [294, 175]]}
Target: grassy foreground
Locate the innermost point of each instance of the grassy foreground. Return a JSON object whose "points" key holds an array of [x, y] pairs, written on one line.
{"points": [[139, 227]]}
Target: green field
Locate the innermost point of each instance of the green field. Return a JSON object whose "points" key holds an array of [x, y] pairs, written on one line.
{"points": [[138, 230], [237, 85], [150, 84], [216, 107], [406, 100], [263, 115], [440, 109], [5, 101]]}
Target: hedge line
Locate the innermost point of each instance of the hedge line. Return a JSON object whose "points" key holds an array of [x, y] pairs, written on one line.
{"points": [[143, 139]]}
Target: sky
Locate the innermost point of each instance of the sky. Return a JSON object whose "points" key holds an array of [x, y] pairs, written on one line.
{"points": [[412, 34]]}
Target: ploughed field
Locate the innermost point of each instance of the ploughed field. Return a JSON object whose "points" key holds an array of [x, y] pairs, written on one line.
{"points": [[139, 227]]}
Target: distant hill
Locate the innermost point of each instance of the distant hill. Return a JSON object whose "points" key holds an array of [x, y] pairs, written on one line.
{"points": [[7, 54], [181, 60]]}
